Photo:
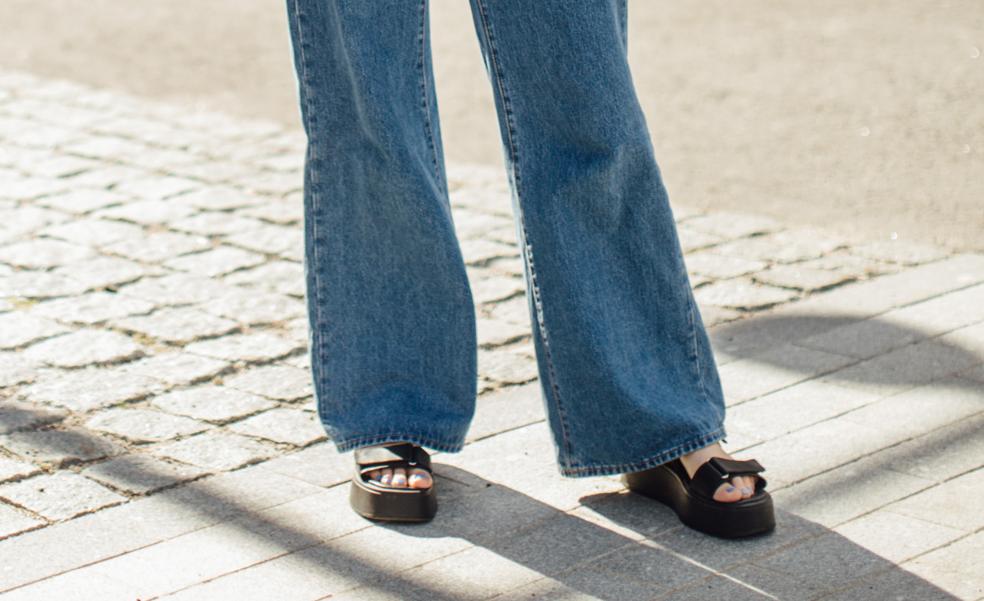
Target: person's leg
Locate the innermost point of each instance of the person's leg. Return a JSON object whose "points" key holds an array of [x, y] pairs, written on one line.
{"points": [[392, 320], [626, 368]]}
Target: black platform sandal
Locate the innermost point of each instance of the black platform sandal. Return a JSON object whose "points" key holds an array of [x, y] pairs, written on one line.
{"points": [[376, 501], [693, 499]]}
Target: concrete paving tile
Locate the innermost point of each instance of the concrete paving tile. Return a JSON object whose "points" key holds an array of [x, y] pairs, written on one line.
{"points": [[955, 568], [771, 370], [955, 503], [865, 338], [456, 576], [814, 566], [319, 464], [523, 460], [788, 409], [59, 496], [938, 455], [897, 583], [14, 520], [505, 409], [894, 536], [283, 425], [215, 450], [548, 589], [304, 575], [969, 339], [389, 549], [78, 585], [904, 368], [140, 474], [920, 410], [716, 587], [836, 496]]}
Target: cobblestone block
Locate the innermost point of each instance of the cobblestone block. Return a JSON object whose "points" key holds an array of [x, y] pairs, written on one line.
{"points": [[269, 239], [730, 225], [800, 278], [280, 382], [155, 247], [215, 223], [253, 308], [60, 496], [515, 309], [39, 284], [842, 261], [92, 232], [721, 266], [175, 368], [20, 329], [217, 198], [20, 221], [477, 252], [14, 469], [213, 171], [785, 246], [177, 325], [141, 474], [177, 289], [104, 177], [84, 347], [29, 188], [496, 332], [212, 403], [284, 277], [693, 239], [291, 426], [279, 184], [43, 253], [494, 288], [92, 308], [505, 409], [142, 425], [146, 212], [104, 271], [216, 450], [257, 346], [155, 187], [216, 262], [59, 448], [85, 389], [507, 366], [17, 415], [15, 369], [742, 293], [13, 521], [897, 251]]}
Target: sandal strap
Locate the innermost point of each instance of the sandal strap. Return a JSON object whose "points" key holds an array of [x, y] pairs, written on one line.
{"points": [[718, 470], [404, 454]]}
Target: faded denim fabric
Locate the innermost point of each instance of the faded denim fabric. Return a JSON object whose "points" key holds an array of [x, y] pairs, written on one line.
{"points": [[627, 375]]}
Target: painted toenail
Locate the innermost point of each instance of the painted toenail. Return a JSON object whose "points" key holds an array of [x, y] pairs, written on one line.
{"points": [[729, 488], [745, 489]]}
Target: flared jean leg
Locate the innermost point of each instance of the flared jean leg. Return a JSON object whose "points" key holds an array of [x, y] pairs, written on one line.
{"points": [[626, 369], [392, 320]]}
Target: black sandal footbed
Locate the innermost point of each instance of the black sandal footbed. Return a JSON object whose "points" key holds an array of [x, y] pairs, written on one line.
{"points": [[376, 501], [692, 498]]}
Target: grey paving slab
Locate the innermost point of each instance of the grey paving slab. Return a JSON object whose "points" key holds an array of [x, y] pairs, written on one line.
{"points": [[143, 425], [140, 474], [280, 382], [319, 464], [254, 346], [14, 521], [505, 409], [774, 369], [954, 568], [60, 495], [85, 389], [215, 450], [15, 469], [283, 425], [896, 537], [954, 503], [59, 447]]}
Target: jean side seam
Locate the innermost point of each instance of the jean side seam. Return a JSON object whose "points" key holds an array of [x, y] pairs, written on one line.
{"points": [[421, 67], [313, 172], [527, 247]]}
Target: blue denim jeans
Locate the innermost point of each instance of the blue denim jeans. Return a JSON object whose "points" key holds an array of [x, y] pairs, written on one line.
{"points": [[626, 370]]}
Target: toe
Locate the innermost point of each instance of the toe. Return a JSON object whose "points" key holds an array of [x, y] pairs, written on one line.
{"points": [[399, 477], [727, 492], [387, 476], [374, 475], [420, 478]]}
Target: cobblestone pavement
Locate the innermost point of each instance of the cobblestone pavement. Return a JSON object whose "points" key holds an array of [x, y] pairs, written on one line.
{"points": [[158, 435]]}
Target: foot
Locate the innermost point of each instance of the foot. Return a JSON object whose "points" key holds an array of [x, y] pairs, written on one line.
{"points": [[402, 478], [740, 487]]}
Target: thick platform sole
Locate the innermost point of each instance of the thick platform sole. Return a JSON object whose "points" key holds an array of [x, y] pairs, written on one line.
{"points": [[393, 505], [748, 517]]}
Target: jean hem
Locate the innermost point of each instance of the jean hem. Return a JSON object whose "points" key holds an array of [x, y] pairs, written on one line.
{"points": [[425, 440], [691, 444]]}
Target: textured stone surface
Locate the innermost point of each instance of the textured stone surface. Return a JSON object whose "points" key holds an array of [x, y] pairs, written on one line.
{"points": [[19, 330], [42, 253], [280, 382], [84, 347], [291, 426], [211, 403], [141, 425], [85, 389], [177, 325], [92, 308], [176, 367], [16, 415], [249, 347], [14, 469], [141, 474], [60, 496], [251, 307], [59, 447], [216, 450], [215, 262], [742, 293], [13, 521]]}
